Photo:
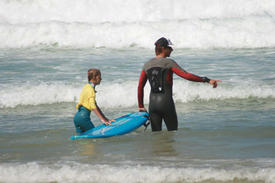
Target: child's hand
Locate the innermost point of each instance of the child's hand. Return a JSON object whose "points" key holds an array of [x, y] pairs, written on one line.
{"points": [[108, 122]]}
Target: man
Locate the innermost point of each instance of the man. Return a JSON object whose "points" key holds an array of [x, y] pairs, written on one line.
{"points": [[159, 71]]}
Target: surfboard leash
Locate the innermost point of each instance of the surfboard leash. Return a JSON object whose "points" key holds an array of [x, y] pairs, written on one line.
{"points": [[147, 123]]}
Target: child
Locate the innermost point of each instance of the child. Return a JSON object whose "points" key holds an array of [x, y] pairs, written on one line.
{"points": [[87, 104]]}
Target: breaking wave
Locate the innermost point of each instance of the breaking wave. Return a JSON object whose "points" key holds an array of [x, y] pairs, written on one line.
{"points": [[125, 94], [137, 23]]}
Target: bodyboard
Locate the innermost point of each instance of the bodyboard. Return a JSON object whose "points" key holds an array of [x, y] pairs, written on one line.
{"points": [[120, 126]]}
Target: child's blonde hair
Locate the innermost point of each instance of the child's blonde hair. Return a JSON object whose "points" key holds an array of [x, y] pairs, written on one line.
{"points": [[92, 73]]}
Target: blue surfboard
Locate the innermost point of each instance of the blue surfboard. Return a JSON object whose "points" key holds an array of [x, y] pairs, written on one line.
{"points": [[122, 125]]}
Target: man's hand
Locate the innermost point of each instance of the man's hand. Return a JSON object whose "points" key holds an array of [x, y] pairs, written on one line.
{"points": [[142, 109], [214, 83]]}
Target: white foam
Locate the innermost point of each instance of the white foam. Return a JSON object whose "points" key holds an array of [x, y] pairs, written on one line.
{"points": [[188, 91], [34, 172], [28, 94], [111, 95], [99, 11], [120, 23]]}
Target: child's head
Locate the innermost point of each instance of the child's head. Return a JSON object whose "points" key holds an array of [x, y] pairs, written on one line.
{"points": [[94, 76]]}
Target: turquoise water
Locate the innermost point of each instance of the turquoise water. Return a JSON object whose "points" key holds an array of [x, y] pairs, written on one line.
{"points": [[225, 134]]}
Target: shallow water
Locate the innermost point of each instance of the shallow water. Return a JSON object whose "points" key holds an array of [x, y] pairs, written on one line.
{"points": [[225, 134]]}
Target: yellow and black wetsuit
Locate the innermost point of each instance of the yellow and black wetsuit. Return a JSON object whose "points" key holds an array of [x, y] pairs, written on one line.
{"points": [[86, 104]]}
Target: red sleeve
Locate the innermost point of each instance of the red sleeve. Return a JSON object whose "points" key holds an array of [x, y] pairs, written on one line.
{"points": [[141, 84], [187, 75]]}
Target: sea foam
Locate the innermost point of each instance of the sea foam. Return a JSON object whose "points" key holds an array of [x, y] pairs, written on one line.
{"points": [[120, 23], [112, 95], [34, 172]]}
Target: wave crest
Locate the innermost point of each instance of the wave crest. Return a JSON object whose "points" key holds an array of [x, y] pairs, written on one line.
{"points": [[112, 95], [120, 24], [34, 172]]}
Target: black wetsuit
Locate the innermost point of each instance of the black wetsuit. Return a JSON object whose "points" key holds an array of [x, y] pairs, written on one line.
{"points": [[159, 72]]}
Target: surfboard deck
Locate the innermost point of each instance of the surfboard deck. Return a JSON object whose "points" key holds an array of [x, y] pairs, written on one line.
{"points": [[122, 125]]}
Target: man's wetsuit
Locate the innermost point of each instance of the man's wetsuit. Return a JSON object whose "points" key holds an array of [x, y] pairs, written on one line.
{"points": [[159, 72]]}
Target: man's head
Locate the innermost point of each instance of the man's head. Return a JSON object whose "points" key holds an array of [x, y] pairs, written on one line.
{"points": [[163, 47], [94, 76]]}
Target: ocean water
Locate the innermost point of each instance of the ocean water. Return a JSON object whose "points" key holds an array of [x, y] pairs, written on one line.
{"points": [[226, 135]]}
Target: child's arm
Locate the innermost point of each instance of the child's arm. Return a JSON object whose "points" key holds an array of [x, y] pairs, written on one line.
{"points": [[101, 111], [101, 116]]}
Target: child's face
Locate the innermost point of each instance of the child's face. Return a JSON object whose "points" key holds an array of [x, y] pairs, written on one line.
{"points": [[97, 79]]}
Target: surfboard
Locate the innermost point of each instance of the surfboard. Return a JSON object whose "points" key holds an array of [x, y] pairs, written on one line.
{"points": [[122, 125]]}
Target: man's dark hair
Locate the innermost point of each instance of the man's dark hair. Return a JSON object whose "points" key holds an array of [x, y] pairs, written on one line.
{"points": [[162, 42], [158, 50]]}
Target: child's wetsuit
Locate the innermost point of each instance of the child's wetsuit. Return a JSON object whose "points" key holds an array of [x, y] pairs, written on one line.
{"points": [[87, 103]]}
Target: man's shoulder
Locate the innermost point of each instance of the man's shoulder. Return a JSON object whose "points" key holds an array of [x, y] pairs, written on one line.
{"points": [[157, 60], [163, 62], [149, 62], [170, 60]]}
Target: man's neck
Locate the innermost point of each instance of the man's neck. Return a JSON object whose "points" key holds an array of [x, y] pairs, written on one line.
{"points": [[161, 56]]}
